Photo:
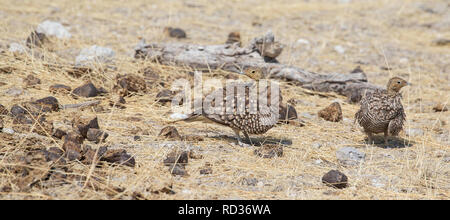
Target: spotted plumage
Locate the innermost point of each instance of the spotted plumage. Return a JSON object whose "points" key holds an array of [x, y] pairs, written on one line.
{"points": [[242, 110], [381, 110]]}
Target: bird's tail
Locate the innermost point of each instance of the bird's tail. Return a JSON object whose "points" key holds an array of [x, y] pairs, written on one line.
{"points": [[185, 117]]}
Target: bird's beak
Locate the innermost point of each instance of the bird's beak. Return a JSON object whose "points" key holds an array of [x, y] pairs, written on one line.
{"points": [[408, 84]]}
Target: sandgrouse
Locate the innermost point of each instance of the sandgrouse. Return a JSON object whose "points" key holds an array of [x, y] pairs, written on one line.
{"points": [[242, 112], [382, 110]]}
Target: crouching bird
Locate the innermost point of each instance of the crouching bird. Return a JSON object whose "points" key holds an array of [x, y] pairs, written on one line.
{"points": [[382, 110], [241, 106]]}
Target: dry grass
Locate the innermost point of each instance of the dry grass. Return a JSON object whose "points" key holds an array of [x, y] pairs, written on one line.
{"points": [[375, 34]]}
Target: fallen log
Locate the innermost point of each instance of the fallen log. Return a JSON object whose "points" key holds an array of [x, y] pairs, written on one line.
{"points": [[231, 57]]}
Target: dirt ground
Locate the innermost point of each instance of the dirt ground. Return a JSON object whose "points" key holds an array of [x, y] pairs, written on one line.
{"points": [[385, 38]]}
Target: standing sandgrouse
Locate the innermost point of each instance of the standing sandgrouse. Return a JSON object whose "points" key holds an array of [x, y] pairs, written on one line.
{"points": [[382, 110], [242, 112]]}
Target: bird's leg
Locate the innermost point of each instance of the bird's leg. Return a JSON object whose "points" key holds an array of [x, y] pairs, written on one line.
{"points": [[240, 143], [369, 137], [386, 138], [247, 137]]}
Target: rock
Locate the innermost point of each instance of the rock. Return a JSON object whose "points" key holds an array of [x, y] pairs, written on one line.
{"points": [[48, 104], [82, 125], [287, 113], [58, 133], [248, 181], [89, 154], [177, 157], [73, 137], [94, 55], [129, 83], [316, 145], [302, 41], [59, 88], [206, 171], [178, 169], [54, 29], [72, 148], [165, 96], [441, 42], [350, 156], [340, 49], [178, 116], [16, 110], [269, 151], [440, 108], [36, 39], [414, 132], [31, 80], [175, 32], [96, 135], [119, 156], [14, 91], [170, 132], [234, 37], [86, 90], [357, 70], [54, 154], [137, 138], [3, 110], [331, 113], [16, 48], [8, 130], [336, 179]]}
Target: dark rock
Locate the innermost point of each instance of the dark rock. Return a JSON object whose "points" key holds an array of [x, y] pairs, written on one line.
{"points": [[175, 32], [72, 150], [54, 154], [3, 110], [137, 138], [16, 110], [58, 133], [36, 39], [335, 179], [234, 37], [89, 154], [441, 42], [129, 83], [170, 132], [119, 157], [331, 113], [59, 88], [31, 80], [73, 137], [96, 135], [440, 108], [176, 157], [165, 96], [206, 171], [178, 169], [357, 70], [166, 190], [48, 104], [83, 125], [86, 90], [269, 151]]}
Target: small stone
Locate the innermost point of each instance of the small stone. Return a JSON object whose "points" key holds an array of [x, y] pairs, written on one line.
{"points": [[336, 179], [170, 132], [440, 108], [178, 116], [86, 90], [287, 113], [48, 104], [414, 132], [14, 91], [303, 41], [58, 133], [89, 154], [206, 171], [119, 157], [441, 42], [129, 84], [175, 32], [8, 130], [165, 96], [137, 138], [51, 28], [316, 145], [73, 137], [269, 151], [59, 88], [178, 169], [84, 124], [350, 156], [176, 157], [93, 55], [340, 49], [31, 80], [234, 37], [96, 135], [16, 48], [357, 70], [36, 39], [331, 113], [72, 149]]}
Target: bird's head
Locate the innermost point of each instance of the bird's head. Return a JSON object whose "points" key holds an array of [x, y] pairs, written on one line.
{"points": [[254, 73], [395, 84]]}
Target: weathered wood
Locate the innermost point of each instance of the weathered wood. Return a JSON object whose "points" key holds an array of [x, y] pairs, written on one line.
{"points": [[231, 57]]}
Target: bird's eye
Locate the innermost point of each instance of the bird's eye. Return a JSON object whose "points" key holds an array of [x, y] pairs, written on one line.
{"points": [[398, 82], [253, 71]]}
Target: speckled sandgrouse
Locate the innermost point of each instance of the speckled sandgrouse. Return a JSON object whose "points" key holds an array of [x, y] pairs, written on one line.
{"points": [[382, 110], [248, 121]]}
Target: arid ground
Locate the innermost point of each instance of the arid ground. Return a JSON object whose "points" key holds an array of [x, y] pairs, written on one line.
{"points": [[385, 38]]}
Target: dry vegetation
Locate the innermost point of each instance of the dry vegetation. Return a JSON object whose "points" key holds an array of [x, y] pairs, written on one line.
{"points": [[385, 38]]}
